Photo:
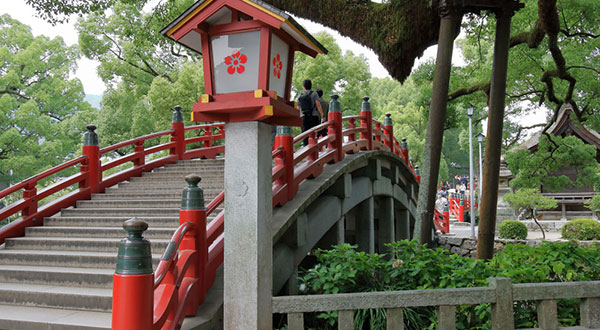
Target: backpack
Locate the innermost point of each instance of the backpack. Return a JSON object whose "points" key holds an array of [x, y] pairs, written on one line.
{"points": [[306, 104]]}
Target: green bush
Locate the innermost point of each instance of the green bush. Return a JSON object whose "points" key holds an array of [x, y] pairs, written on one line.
{"points": [[582, 229], [411, 266], [512, 229]]}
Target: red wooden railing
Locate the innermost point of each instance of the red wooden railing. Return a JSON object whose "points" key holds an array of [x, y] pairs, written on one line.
{"points": [[344, 137], [442, 221], [90, 177], [457, 206], [188, 267]]}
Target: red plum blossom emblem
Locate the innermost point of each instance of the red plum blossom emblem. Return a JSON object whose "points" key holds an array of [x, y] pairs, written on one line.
{"points": [[277, 66], [235, 62]]}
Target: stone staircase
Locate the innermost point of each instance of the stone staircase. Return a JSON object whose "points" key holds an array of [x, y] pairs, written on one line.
{"points": [[59, 276]]}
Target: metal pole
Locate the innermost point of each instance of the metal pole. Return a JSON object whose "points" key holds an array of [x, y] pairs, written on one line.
{"points": [[435, 127], [471, 176]]}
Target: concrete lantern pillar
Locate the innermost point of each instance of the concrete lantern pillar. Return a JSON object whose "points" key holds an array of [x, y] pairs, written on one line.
{"points": [[248, 278]]}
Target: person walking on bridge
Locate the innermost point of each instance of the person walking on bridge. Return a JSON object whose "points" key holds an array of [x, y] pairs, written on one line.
{"points": [[325, 108], [310, 108]]}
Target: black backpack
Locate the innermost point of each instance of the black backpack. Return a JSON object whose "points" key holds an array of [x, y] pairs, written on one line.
{"points": [[306, 104]]}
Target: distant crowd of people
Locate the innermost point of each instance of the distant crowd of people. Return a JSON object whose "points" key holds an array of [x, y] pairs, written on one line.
{"points": [[461, 186]]}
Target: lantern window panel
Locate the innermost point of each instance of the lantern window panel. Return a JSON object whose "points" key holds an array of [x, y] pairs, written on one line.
{"points": [[192, 40], [236, 62], [278, 64], [222, 16]]}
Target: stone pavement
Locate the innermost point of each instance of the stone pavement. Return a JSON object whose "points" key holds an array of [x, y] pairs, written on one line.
{"points": [[464, 230]]}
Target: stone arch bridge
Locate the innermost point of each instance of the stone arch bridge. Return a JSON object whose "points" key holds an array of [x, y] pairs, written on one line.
{"points": [[57, 264]]}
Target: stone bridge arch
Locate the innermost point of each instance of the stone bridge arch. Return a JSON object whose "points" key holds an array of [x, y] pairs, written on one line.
{"points": [[368, 199]]}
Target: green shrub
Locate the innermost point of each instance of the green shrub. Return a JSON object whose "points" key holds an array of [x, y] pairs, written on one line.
{"points": [[582, 229], [411, 266], [512, 229]]}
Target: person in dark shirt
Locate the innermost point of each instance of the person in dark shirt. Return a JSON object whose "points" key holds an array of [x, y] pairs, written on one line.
{"points": [[310, 108]]}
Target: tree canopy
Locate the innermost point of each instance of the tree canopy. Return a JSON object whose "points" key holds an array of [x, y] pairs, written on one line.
{"points": [[42, 111], [342, 73]]}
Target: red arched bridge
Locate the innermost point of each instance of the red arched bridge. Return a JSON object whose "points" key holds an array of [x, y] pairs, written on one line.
{"points": [[354, 184]]}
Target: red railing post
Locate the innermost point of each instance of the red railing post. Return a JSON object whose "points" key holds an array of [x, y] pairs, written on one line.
{"points": [[378, 130], [388, 128], [140, 161], [461, 211], [367, 123], [29, 195], [446, 216], [92, 151], [312, 142], [285, 140], [352, 125], [193, 210], [404, 150], [208, 132], [133, 281], [178, 135], [335, 116]]}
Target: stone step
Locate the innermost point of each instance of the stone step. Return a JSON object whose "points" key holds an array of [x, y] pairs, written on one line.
{"points": [[187, 170], [133, 203], [133, 189], [181, 174], [94, 299], [75, 244], [169, 179], [52, 275], [153, 222], [36, 318], [99, 232], [80, 259], [123, 212], [160, 186], [118, 195], [110, 221], [196, 163]]}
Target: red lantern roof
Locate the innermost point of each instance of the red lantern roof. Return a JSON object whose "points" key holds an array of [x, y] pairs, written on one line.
{"points": [[205, 14]]}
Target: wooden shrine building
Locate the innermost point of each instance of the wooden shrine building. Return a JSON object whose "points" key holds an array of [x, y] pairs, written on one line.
{"points": [[570, 200]]}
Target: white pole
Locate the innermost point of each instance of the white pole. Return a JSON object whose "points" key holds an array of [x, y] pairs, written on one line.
{"points": [[472, 201]]}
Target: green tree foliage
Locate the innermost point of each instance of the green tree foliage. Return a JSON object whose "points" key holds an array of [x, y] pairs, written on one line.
{"points": [[532, 170], [408, 103], [529, 199], [339, 73], [594, 203], [59, 11], [146, 73], [553, 60], [42, 111]]}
